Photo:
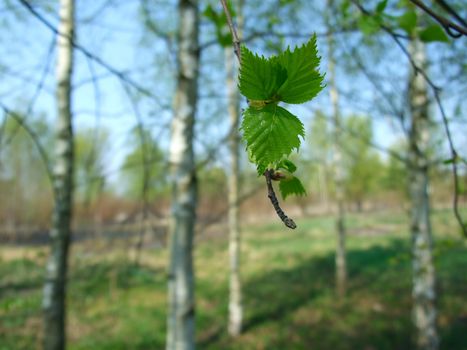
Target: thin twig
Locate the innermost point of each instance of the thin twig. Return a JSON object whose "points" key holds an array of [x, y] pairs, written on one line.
{"points": [[35, 139], [445, 23], [267, 174], [224, 211], [119, 74], [255, 34], [233, 31], [454, 159], [37, 91], [451, 11], [146, 171], [436, 91]]}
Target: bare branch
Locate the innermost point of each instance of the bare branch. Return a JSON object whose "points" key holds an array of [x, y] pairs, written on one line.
{"points": [[34, 138], [448, 25], [451, 11], [436, 91], [268, 174], [119, 74], [233, 31]]}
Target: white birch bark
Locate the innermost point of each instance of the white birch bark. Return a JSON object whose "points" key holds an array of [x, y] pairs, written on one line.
{"points": [[235, 293], [54, 297], [181, 312], [341, 263], [423, 289]]}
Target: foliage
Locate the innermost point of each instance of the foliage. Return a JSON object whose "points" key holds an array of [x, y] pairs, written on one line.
{"points": [[271, 132], [90, 159], [24, 182], [144, 167], [400, 17], [362, 164], [219, 20], [396, 175]]}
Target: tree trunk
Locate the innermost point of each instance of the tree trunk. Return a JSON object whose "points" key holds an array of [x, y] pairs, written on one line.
{"points": [[235, 294], [181, 313], [341, 264], [54, 296], [423, 289]]}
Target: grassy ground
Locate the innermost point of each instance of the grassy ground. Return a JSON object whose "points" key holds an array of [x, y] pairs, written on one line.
{"points": [[288, 290]]}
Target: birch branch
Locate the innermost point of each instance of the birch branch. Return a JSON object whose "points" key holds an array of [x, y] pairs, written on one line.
{"points": [[436, 90], [119, 74], [267, 174], [448, 25]]}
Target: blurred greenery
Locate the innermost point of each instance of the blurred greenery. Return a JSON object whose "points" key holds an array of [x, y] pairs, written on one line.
{"points": [[91, 152], [143, 168], [289, 293]]}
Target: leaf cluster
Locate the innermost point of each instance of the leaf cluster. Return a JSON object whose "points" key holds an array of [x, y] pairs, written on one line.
{"points": [[408, 21], [219, 20], [270, 131]]}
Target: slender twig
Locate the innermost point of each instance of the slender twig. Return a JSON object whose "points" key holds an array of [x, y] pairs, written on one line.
{"points": [[146, 171], [267, 174], [119, 74], [255, 34], [35, 139], [376, 82], [451, 11], [37, 91], [233, 31], [455, 174], [448, 25], [224, 211], [436, 91]]}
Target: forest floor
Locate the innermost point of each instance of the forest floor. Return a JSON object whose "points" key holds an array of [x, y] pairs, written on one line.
{"points": [[288, 284]]}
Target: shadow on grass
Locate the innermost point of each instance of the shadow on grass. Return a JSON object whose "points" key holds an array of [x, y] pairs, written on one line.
{"points": [[93, 279], [296, 308], [19, 276], [286, 308]]}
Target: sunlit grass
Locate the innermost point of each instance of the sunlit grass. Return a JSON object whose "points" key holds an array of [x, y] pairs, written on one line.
{"points": [[288, 284]]}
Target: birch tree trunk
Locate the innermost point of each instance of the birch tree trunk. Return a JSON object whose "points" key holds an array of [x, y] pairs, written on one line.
{"points": [[181, 313], [423, 289], [235, 293], [341, 264], [54, 297]]}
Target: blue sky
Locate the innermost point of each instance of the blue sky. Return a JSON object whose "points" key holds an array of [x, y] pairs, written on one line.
{"points": [[115, 34]]}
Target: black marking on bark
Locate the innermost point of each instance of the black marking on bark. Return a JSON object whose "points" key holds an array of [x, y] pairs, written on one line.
{"points": [[268, 174]]}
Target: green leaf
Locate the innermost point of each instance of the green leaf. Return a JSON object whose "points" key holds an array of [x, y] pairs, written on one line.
{"points": [[270, 134], [303, 79], [408, 21], [291, 187], [381, 6], [287, 165], [260, 78], [433, 33], [368, 25], [455, 159], [449, 161], [219, 20]]}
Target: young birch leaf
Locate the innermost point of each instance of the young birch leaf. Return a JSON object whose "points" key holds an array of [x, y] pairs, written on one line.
{"points": [[381, 6], [290, 187], [303, 79], [408, 21], [287, 165], [260, 78], [270, 134], [433, 33]]}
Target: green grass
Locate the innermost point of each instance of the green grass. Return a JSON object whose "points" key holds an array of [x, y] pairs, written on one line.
{"points": [[288, 286]]}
